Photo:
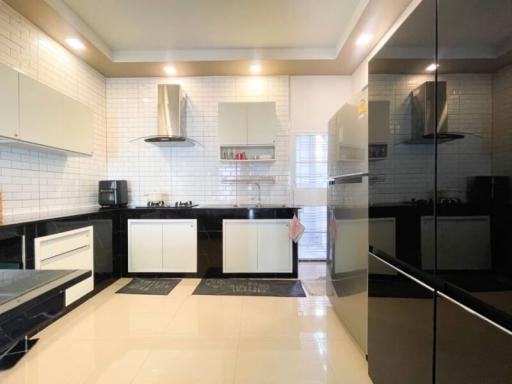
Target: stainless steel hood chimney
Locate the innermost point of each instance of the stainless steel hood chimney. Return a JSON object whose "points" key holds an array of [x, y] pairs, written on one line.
{"points": [[172, 107], [423, 110]]}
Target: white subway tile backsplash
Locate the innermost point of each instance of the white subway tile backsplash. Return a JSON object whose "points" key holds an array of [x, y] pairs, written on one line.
{"points": [[192, 173]]}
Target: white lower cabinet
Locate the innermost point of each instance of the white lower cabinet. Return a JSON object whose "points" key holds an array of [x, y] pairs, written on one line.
{"points": [[145, 243], [240, 248], [257, 246], [68, 250], [162, 245], [179, 246]]}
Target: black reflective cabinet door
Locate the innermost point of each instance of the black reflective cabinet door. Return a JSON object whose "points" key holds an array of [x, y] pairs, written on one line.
{"points": [[400, 332], [469, 350]]}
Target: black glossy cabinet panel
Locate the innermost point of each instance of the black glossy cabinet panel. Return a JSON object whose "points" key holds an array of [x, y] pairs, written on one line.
{"points": [[444, 188], [400, 332], [469, 350]]}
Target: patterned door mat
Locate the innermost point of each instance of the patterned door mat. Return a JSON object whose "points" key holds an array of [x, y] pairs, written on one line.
{"points": [[141, 286], [250, 287]]}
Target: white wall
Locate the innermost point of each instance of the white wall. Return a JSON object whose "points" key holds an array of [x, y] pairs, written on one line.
{"points": [[35, 182], [315, 99]]}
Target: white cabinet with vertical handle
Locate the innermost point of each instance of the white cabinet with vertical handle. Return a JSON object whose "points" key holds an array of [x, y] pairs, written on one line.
{"points": [[179, 241], [162, 245], [257, 246], [240, 246], [145, 246], [9, 95]]}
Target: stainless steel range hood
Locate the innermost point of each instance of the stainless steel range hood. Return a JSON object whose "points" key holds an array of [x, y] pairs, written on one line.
{"points": [[172, 107], [423, 111]]}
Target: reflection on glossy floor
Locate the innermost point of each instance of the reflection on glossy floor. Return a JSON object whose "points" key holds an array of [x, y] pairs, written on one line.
{"points": [[313, 274], [181, 338]]}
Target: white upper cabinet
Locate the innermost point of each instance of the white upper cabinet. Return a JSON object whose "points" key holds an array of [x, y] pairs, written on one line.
{"points": [[9, 123], [261, 123], [232, 123], [252, 123], [51, 119]]}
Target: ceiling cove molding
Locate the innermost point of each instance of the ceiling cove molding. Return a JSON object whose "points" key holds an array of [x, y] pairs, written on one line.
{"points": [[349, 28], [155, 56], [223, 55], [64, 11]]}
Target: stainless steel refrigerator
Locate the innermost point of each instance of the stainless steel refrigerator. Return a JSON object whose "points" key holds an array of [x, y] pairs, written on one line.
{"points": [[347, 250]]}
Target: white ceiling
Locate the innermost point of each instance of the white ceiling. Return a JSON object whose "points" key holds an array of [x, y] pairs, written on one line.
{"points": [[199, 30]]}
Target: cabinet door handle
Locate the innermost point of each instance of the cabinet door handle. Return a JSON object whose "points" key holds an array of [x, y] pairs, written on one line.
{"points": [[474, 313]]}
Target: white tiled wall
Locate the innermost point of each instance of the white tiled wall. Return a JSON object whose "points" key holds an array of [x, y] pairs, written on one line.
{"points": [[407, 172], [192, 173], [502, 119], [37, 182]]}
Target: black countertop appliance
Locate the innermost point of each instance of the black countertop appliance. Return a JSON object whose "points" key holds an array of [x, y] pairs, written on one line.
{"points": [[113, 193]]}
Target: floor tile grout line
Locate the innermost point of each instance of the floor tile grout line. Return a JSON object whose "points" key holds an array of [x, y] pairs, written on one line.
{"points": [[182, 302]]}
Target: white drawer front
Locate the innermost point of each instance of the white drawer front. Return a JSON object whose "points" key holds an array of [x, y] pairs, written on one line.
{"points": [[53, 246], [68, 250]]}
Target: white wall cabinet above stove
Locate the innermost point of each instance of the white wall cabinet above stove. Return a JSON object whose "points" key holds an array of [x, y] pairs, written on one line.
{"points": [[162, 246], [257, 246], [35, 114], [253, 123]]}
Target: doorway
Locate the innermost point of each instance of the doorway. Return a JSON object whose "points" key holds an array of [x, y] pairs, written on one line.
{"points": [[309, 191]]}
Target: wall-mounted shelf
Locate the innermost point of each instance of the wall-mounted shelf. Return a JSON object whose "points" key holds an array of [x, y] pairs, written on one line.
{"points": [[250, 180], [253, 153], [248, 161]]}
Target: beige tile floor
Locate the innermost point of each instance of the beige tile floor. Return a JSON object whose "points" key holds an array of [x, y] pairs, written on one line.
{"points": [[181, 338]]}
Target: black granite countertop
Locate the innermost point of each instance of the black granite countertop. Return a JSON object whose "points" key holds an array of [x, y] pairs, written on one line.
{"points": [[25, 219], [222, 206]]}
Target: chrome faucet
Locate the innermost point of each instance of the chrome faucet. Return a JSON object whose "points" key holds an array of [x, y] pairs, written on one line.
{"points": [[259, 193]]}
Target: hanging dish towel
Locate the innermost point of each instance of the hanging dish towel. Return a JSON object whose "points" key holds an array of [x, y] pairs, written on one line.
{"points": [[296, 229]]}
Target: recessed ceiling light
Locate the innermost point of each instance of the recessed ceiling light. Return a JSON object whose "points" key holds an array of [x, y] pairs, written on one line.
{"points": [[432, 67], [170, 70], [255, 69], [75, 43], [364, 39]]}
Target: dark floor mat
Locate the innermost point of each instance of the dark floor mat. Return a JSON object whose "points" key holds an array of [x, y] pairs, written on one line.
{"points": [[140, 286], [250, 287]]}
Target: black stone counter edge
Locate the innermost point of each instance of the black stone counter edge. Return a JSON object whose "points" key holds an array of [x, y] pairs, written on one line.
{"points": [[52, 295], [458, 294], [73, 214]]}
